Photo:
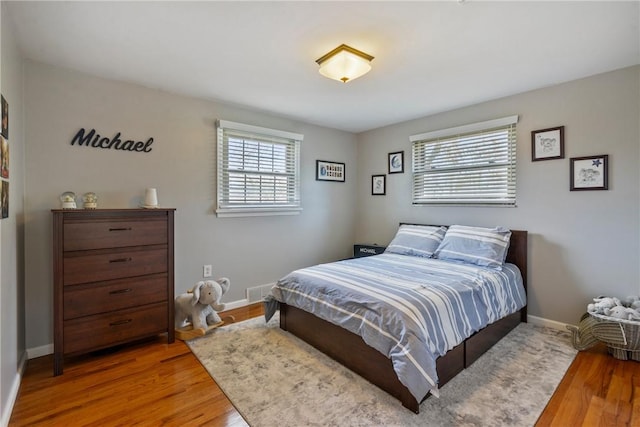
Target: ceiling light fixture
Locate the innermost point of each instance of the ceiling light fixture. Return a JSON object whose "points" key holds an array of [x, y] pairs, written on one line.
{"points": [[344, 63]]}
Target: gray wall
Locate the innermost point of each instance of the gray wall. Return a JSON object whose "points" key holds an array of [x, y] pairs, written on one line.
{"points": [[12, 335], [582, 244], [250, 251]]}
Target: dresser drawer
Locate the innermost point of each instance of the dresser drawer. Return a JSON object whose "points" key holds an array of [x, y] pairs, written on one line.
{"points": [[84, 235], [95, 298], [104, 265], [103, 330]]}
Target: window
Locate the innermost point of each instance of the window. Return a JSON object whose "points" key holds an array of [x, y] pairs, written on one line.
{"points": [[258, 170], [467, 165]]}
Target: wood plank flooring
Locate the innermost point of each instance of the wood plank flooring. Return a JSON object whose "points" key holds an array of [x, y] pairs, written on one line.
{"points": [[153, 383], [597, 390]]}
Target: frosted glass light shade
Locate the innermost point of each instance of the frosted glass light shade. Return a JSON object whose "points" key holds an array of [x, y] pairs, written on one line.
{"points": [[344, 63]]}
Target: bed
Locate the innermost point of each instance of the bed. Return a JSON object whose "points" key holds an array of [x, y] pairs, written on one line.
{"points": [[386, 367]]}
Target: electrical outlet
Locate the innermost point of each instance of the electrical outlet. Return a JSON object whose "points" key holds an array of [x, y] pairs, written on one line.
{"points": [[206, 271]]}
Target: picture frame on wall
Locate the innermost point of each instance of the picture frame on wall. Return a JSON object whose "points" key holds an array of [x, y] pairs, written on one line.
{"points": [[330, 171], [378, 185], [4, 200], [4, 158], [396, 162], [547, 144], [589, 173], [4, 106]]}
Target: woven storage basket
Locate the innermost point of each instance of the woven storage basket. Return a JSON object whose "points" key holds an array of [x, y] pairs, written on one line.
{"points": [[622, 337]]}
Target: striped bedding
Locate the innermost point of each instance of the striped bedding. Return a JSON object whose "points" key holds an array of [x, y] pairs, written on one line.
{"points": [[411, 309]]}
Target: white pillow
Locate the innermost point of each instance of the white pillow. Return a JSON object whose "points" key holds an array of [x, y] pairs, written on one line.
{"points": [[485, 247], [416, 240]]}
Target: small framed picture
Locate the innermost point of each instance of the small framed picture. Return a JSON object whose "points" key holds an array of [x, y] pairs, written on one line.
{"points": [[396, 162], [4, 130], [590, 173], [329, 171], [4, 158], [547, 144], [4, 200], [378, 185]]}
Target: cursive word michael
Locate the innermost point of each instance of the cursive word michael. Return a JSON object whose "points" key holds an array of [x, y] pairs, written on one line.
{"points": [[93, 139]]}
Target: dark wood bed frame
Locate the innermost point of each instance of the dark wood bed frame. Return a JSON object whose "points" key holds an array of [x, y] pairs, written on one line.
{"points": [[351, 351]]}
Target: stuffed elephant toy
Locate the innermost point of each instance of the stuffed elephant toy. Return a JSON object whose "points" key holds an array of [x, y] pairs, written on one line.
{"points": [[200, 306]]}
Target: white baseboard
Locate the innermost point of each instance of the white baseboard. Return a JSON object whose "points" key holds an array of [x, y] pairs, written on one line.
{"points": [[236, 304], [43, 350], [13, 393], [539, 321]]}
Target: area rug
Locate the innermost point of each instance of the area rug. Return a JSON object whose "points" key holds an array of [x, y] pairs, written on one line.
{"points": [[275, 379]]}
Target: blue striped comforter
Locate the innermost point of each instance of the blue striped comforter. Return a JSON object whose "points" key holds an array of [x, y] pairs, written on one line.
{"points": [[411, 309]]}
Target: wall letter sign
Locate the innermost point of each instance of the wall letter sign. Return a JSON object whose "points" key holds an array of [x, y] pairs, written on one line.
{"points": [[93, 139]]}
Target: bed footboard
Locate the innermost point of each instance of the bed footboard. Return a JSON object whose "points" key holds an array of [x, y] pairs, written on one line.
{"points": [[348, 349], [351, 351]]}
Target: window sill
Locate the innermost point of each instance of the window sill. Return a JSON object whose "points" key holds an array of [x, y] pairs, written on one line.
{"points": [[237, 213]]}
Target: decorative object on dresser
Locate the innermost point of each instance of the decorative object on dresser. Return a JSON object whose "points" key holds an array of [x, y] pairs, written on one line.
{"points": [[68, 200], [150, 198], [90, 200], [367, 250], [113, 273]]}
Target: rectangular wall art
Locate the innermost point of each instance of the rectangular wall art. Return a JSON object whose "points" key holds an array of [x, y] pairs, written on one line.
{"points": [[4, 158], [4, 199], [330, 171], [378, 185], [547, 144], [396, 162], [4, 130], [590, 173]]}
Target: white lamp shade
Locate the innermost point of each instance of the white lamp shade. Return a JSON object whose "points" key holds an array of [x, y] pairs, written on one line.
{"points": [[344, 65]]}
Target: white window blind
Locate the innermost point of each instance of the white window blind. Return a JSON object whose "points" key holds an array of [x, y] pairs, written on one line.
{"points": [[258, 170], [468, 165]]}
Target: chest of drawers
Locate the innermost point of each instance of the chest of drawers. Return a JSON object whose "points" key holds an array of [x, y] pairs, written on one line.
{"points": [[113, 274]]}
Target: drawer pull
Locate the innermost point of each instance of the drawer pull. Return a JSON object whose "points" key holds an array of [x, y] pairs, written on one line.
{"points": [[120, 229], [120, 260], [121, 291], [120, 322]]}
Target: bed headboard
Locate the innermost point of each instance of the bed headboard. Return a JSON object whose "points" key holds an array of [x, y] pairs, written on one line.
{"points": [[517, 253]]}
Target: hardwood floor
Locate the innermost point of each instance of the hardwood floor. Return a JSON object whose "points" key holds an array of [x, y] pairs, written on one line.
{"points": [[597, 390], [150, 383], [153, 383]]}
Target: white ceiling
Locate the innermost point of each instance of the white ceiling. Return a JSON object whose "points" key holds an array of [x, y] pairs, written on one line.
{"points": [[429, 56]]}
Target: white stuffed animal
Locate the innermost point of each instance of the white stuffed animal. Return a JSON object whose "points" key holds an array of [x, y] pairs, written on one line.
{"points": [[633, 302], [199, 306], [601, 304], [620, 312]]}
